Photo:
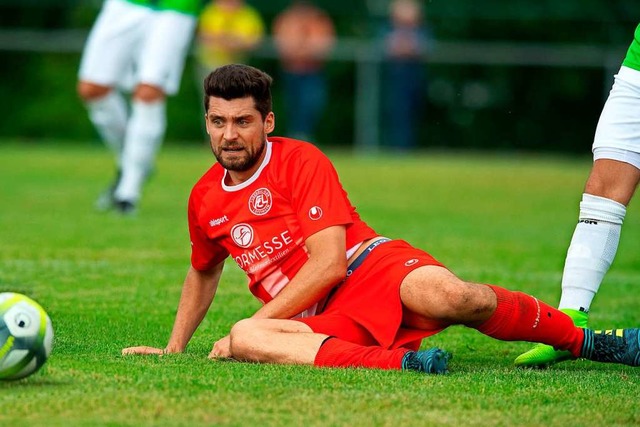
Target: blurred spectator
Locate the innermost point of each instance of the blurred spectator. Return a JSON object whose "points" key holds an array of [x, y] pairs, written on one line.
{"points": [[227, 31], [406, 42], [135, 47], [304, 36]]}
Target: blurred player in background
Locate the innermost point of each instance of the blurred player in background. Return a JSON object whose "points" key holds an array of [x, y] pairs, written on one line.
{"points": [[334, 292], [137, 47], [609, 188]]}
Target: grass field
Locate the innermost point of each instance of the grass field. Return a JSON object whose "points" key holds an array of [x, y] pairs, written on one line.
{"points": [[110, 282]]}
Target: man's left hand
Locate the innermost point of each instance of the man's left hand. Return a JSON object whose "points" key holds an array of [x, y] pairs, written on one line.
{"points": [[221, 349]]}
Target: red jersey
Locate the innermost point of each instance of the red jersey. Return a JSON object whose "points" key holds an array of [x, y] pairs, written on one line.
{"points": [[263, 222]]}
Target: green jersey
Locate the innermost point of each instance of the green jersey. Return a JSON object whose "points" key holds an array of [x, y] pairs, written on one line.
{"points": [[189, 7], [632, 60]]}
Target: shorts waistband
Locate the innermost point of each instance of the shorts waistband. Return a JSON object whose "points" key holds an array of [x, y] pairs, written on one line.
{"points": [[360, 259]]}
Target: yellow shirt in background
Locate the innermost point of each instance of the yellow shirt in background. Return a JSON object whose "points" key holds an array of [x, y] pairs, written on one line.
{"points": [[226, 35]]}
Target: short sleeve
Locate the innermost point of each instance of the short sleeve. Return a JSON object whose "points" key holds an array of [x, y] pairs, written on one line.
{"points": [[316, 192], [205, 253]]}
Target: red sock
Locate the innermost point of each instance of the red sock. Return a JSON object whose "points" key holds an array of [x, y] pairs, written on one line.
{"points": [[335, 352], [521, 317]]}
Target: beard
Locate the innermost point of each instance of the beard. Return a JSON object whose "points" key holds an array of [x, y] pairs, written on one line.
{"points": [[241, 160]]}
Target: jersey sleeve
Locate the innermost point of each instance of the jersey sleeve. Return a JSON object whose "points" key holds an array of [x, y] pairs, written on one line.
{"points": [[205, 253], [632, 60], [316, 193]]}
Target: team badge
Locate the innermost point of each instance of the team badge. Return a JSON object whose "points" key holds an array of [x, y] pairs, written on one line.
{"points": [[260, 201], [315, 213], [242, 235], [411, 262]]}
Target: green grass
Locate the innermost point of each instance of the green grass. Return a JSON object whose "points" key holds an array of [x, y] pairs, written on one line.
{"points": [[110, 282]]}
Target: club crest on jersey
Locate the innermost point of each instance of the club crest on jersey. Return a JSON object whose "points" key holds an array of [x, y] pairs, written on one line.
{"points": [[260, 201], [242, 235], [315, 213]]}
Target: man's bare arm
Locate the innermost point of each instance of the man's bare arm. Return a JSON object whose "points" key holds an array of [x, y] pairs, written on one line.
{"points": [[198, 291], [325, 268]]}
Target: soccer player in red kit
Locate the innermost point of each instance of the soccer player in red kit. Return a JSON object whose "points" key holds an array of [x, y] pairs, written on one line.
{"points": [[334, 292]]}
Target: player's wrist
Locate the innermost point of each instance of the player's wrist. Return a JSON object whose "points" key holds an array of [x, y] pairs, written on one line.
{"points": [[172, 349]]}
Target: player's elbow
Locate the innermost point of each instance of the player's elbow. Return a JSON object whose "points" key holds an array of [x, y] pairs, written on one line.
{"points": [[335, 271]]}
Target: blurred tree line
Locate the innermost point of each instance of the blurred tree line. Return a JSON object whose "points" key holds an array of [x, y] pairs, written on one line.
{"points": [[469, 105]]}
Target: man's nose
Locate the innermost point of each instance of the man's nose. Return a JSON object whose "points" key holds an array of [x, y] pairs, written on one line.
{"points": [[230, 132]]}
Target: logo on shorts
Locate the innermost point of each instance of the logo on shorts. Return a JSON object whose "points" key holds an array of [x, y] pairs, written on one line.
{"points": [[411, 262], [260, 201], [242, 235], [315, 213]]}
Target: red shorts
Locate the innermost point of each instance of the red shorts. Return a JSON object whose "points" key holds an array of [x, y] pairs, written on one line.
{"points": [[366, 308]]}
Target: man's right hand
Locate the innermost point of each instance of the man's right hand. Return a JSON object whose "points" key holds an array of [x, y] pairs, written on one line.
{"points": [[143, 349]]}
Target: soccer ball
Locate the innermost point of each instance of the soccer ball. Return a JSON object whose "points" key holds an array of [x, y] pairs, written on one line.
{"points": [[26, 336]]}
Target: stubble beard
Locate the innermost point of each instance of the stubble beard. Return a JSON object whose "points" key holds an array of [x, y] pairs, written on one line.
{"points": [[240, 164]]}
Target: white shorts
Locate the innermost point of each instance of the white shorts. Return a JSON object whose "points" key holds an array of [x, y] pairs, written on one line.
{"points": [[618, 154], [131, 44], [618, 132]]}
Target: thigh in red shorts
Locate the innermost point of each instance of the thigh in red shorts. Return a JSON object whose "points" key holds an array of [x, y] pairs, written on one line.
{"points": [[366, 308]]}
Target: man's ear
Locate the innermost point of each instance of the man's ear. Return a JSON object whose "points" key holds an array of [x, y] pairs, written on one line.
{"points": [[206, 124], [270, 123]]}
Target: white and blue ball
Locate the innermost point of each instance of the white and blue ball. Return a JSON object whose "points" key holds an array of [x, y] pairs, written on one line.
{"points": [[26, 336]]}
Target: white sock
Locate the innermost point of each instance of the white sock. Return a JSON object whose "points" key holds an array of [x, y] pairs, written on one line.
{"points": [[592, 250], [143, 139], [109, 116]]}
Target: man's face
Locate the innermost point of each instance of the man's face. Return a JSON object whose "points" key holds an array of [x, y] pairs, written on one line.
{"points": [[237, 133]]}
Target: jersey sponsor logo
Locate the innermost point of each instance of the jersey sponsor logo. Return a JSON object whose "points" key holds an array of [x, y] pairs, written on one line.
{"points": [[266, 253], [218, 221], [242, 235], [315, 213], [260, 201], [411, 262]]}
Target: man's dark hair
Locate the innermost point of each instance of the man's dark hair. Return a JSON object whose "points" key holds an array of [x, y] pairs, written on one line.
{"points": [[239, 81]]}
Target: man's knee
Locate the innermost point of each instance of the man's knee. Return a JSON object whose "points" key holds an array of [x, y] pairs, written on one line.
{"points": [[464, 301], [440, 295], [90, 91], [245, 336], [148, 93], [613, 180]]}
